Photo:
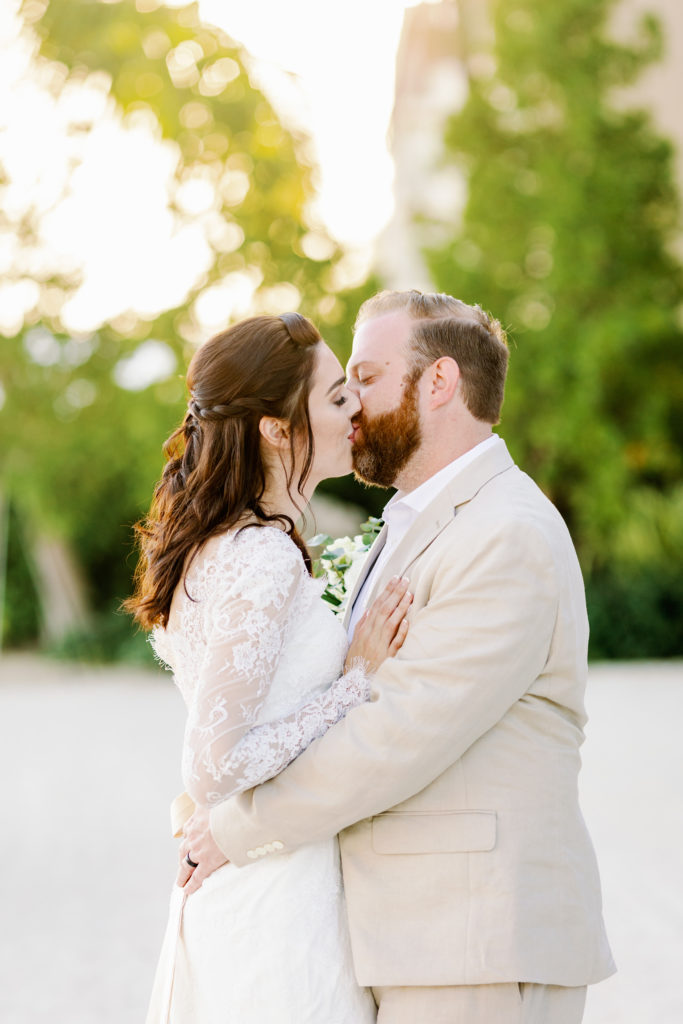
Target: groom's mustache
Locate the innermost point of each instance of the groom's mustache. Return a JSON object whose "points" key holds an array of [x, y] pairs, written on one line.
{"points": [[358, 420], [385, 442]]}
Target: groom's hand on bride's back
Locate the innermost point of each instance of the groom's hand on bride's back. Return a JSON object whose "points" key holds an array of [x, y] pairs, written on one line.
{"points": [[198, 844]]}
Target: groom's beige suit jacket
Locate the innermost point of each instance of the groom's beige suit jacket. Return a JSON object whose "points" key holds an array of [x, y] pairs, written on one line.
{"points": [[454, 789]]}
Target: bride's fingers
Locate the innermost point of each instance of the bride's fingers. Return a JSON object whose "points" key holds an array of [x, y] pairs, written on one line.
{"points": [[400, 610], [394, 617], [388, 600], [400, 635], [395, 591]]}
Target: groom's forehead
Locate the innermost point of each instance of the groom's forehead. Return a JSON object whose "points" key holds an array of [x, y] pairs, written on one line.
{"points": [[381, 338]]}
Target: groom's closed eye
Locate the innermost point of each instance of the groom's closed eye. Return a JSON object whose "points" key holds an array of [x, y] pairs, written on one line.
{"points": [[365, 378]]}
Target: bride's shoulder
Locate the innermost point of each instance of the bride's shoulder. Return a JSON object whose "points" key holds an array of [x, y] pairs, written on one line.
{"points": [[266, 547], [269, 544]]}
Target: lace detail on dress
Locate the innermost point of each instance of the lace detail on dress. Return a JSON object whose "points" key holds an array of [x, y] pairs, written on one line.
{"points": [[266, 749], [225, 643]]}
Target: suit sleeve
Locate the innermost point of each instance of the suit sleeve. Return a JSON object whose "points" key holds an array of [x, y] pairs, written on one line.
{"points": [[473, 649]]}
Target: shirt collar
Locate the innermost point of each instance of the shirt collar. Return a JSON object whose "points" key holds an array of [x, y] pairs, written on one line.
{"points": [[418, 499]]}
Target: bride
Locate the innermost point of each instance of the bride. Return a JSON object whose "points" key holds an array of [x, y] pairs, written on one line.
{"points": [[261, 661]]}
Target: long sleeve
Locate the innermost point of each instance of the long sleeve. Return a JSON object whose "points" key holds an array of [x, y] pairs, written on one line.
{"points": [[266, 749], [225, 751]]}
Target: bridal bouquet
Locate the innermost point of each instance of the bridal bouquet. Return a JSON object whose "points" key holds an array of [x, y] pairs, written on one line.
{"points": [[341, 561]]}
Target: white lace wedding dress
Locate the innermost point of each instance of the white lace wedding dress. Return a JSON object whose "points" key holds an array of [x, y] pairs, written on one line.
{"points": [[258, 657]]}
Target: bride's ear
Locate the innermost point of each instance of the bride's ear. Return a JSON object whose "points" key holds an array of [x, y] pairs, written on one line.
{"points": [[274, 431]]}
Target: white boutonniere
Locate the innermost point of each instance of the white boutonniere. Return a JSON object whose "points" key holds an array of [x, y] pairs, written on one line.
{"points": [[341, 561]]}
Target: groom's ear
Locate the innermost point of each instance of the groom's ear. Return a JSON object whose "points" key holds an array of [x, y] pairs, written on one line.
{"points": [[443, 377], [274, 431]]}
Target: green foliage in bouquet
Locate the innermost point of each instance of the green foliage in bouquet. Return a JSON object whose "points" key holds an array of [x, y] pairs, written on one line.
{"points": [[341, 561]]}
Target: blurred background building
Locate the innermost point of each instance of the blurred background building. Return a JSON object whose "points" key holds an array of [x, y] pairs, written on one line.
{"points": [[436, 43], [660, 86]]}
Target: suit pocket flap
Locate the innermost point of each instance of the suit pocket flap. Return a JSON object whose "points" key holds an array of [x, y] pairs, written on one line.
{"points": [[443, 832]]}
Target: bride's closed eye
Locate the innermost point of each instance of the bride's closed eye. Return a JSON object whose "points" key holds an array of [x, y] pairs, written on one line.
{"points": [[342, 400]]}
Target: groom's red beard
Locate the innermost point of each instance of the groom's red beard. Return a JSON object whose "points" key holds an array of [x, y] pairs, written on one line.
{"points": [[387, 441]]}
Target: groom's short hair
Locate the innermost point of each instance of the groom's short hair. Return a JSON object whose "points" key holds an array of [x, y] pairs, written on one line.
{"points": [[427, 306], [446, 326]]}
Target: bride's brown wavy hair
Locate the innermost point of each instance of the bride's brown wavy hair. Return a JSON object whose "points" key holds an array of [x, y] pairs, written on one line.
{"points": [[215, 474]]}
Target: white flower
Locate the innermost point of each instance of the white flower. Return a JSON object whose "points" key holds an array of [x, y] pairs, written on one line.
{"points": [[341, 562]]}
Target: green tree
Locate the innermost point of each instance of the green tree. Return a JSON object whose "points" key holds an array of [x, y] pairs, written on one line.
{"points": [[82, 437], [567, 236]]}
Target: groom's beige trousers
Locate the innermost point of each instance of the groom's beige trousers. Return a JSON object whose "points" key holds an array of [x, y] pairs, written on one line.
{"points": [[481, 1004]]}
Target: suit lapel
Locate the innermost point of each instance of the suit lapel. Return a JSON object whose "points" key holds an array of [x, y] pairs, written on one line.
{"points": [[437, 515], [371, 558], [426, 527]]}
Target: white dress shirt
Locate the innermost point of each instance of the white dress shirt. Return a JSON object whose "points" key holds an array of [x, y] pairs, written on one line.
{"points": [[402, 510]]}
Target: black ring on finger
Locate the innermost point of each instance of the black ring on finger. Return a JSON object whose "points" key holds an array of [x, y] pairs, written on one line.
{"points": [[192, 863]]}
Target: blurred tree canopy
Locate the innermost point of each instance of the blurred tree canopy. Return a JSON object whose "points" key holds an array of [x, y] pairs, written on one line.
{"points": [[567, 236], [81, 427]]}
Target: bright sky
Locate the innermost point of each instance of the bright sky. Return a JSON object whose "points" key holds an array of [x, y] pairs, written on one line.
{"points": [[342, 55]]}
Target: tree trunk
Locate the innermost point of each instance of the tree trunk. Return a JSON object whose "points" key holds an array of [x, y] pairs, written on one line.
{"points": [[61, 588]]}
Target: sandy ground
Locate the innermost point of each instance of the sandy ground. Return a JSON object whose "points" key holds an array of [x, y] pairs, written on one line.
{"points": [[89, 762]]}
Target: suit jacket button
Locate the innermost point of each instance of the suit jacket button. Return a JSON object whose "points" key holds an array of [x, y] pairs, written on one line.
{"points": [[277, 845], [259, 851], [251, 854]]}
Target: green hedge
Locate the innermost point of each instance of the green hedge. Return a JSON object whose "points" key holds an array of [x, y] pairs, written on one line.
{"points": [[637, 615]]}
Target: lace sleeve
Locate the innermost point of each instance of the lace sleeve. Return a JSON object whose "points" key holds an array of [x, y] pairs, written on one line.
{"points": [[224, 751], [266, 749]]}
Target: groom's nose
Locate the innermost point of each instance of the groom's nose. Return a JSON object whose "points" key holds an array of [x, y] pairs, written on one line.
{"points": [[354, 403]]}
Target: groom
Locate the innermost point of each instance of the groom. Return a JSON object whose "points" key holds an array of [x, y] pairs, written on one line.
{"points": [[472, 888]]}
